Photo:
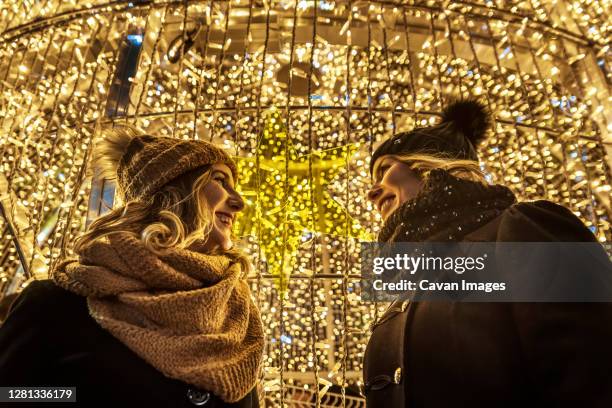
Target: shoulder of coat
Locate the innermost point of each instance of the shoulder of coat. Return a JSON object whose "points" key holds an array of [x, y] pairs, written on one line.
{"points": [[48, 298], [546, 220]]}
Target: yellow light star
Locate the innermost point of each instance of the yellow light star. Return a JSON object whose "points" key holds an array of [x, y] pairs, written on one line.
{"points": [[288, 206]]}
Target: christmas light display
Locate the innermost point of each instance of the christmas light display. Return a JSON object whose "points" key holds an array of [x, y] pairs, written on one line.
{"points": [[300, 91], [294, 204]]}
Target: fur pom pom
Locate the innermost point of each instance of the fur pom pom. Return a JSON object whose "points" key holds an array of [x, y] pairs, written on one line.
{"points": [[111, 146], [470, 117]]}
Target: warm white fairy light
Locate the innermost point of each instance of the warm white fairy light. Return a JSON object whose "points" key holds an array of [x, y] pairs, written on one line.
{"points": [[56, 83]]}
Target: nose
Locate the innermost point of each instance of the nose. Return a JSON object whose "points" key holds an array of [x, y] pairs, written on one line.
{"points": [[374, 193], [236, 202]]}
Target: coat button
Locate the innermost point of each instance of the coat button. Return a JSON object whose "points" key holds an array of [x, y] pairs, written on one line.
{"points": [[197, 397], [397, 376]]}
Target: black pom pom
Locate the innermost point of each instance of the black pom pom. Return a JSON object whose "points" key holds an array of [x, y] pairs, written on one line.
{"points": [[469, 117]]}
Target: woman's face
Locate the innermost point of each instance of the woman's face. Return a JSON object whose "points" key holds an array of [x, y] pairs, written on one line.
{"points": [[224, 203], [394, 184]]}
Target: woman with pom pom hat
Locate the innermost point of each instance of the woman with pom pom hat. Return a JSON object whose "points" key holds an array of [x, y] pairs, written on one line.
{"points": [[156, 311], [428, 186]]}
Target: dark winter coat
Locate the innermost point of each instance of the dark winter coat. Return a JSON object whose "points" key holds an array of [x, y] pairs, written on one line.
{"points": [[452, 354], [49, 339]]}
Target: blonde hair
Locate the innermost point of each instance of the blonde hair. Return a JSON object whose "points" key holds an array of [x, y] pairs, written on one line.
{"points": [[175, 216], [423, 163]]}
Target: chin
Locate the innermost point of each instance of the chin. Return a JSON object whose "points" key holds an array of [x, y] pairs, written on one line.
{"points": [[386, 216], [218, 240], [224, 241], [226, 245]]}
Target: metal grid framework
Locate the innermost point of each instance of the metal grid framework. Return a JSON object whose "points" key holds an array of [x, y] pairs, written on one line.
{"points": [[339, 73]]}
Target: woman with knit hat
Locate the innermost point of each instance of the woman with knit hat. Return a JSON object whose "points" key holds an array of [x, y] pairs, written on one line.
{"points": [[156, 310], [428, 186]]}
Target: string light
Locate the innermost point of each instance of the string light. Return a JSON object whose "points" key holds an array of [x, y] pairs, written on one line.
{"points": [[369, 69], [283, 212]]}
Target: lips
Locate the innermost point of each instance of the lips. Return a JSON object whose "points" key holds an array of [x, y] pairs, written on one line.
{"points": [[225, 218], [385, 203]]}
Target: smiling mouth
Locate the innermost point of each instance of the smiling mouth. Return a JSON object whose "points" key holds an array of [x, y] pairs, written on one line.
{"points": [[386, 204], [225, 218]]}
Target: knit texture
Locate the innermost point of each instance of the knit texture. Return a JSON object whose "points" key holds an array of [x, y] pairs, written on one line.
{"points": [[150, 162], [446, 209], [188, 314], [463, 127]]}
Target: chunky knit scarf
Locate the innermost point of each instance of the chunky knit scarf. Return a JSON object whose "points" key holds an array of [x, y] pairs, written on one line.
{"points": [[446, 209], [188, 314]]}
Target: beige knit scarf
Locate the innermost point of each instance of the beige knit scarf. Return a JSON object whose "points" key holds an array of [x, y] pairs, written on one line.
{"points": [[188, 314]]}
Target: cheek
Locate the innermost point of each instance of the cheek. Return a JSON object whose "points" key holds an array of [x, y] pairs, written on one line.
{"points": [[213, 195], [405, 184], [411, 186]]}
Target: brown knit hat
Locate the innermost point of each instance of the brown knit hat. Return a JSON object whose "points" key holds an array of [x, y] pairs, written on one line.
{"points": [[143, 163]]}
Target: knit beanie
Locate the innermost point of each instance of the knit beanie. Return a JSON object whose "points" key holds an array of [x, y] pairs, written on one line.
{"points": [[463, 127], [142, 163]]}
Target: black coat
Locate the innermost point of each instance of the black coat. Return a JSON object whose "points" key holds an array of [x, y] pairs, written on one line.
{"points": [[49, 339], [452, 354]]}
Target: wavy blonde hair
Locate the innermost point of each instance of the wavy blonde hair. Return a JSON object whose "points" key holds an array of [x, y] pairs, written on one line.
{"points": [[422, 164], [175, 216]]}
